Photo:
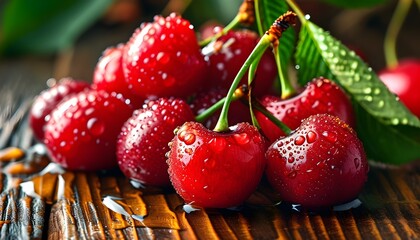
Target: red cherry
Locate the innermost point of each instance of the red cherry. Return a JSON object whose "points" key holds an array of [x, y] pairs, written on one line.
{"points": [[229, 53], [216, 170], [143, 141], [238, 111], [48, 99], [320, 164], [404, 81], [82, 132], [319, 96], [109, 75], [164, 59]]}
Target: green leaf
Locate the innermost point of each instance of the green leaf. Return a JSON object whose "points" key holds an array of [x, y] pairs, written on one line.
{"points": [[355, 3], [269, 11], [45, 26], [390, 133]]}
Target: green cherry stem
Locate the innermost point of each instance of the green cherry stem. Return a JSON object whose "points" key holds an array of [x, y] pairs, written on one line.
{"points": [[238, 94], [258, 17], [225, 30], [259, 107], [394, 27], [222, 123], [297, 10], [245, 15], [286, 87], [270, 38], [251, 76]]}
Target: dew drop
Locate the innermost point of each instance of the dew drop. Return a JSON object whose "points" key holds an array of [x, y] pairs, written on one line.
{"points": [[209, 163], [367, 90], [354, 65], [311, 136], [299, 140], [381, 104], [331, 137], [241, 138], [357, 163], [395, 121], [292, 174], [168, 81], [163, 58], [368, 98], [187, 138], [290, 159], [95, 126]]}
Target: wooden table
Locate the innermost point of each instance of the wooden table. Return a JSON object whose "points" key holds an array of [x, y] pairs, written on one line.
{"points": [[71, 204]]}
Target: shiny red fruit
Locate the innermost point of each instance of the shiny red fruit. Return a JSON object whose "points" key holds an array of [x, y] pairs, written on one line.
{"points": [[143, 141], [82, 132], [216, 170], [319, 96], [228, 54], [48, 99], [163, 59], [109, 76], [321, 164], [404, 81]]}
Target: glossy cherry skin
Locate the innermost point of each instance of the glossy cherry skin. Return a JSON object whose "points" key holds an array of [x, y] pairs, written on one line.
{"points": [[82, 132], [143, 141], [216, 170], [109, 75], [163, 59], [319, 165], [319, 96], [48, 100], [404, 81]]}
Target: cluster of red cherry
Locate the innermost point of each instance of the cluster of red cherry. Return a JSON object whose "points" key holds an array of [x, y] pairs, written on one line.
{"points": [[147, 112]]}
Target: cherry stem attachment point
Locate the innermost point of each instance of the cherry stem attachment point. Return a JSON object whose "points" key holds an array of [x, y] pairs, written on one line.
{"points": [[238, 94]]}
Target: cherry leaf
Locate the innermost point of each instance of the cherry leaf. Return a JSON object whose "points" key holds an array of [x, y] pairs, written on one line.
{"points": [[390, 133]]}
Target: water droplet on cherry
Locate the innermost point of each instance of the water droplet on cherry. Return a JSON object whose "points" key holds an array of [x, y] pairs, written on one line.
{"points": [[299, 140], [311, 136], [95, 126], [241, 138]]}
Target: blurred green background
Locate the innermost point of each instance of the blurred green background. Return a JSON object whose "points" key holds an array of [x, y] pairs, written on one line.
{"points": [[53, 39]]}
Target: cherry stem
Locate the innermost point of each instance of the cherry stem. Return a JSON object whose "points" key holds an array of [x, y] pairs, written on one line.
{"points": [[222, 124], [251, 76], [286, 87], [225, 30], [297, 10], [245, 15], [394, 27], [258, 17], [238, 94], [259, 107]]}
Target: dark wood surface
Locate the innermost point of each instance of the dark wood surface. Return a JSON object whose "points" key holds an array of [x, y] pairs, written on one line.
{"points": [[71, 206]]}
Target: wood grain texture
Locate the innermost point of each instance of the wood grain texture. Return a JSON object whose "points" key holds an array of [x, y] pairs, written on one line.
{"points": [[70, 205]]}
